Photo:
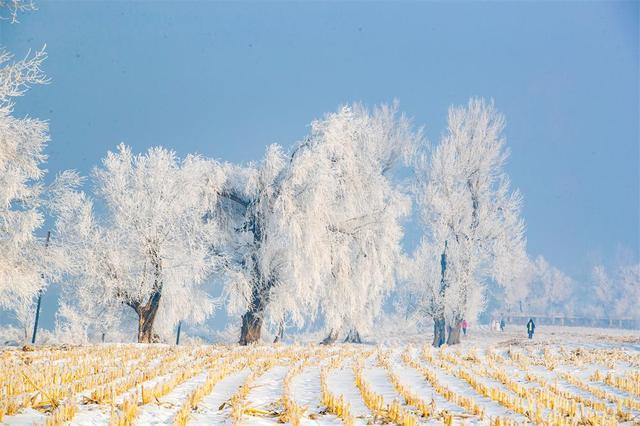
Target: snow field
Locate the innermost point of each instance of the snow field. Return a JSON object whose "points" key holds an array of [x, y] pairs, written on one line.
{"points": [[315, 385]]}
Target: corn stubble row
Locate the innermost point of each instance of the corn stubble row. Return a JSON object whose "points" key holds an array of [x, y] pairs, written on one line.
{"points": [[335, 403], [122, 379], [392, 412]]}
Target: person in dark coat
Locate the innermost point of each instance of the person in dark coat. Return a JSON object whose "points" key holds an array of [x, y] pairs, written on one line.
{"points": [[531, 327], [502, 324]]}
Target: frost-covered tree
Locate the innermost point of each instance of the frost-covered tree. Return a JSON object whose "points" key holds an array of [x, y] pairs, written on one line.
{"points": [[359, 151], [252, 198], [23, 264], [319, 222], [276, 214], [473, 231], [150, 248]]}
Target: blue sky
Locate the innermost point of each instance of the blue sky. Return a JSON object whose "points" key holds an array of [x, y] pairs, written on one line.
{"points": [[226, 79]]}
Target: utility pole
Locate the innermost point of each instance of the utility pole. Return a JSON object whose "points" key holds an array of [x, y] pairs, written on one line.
{"points": [[35, 325], [178, 336]]}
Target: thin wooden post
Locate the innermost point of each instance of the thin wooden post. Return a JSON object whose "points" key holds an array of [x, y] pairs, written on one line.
{"points": [[178, 335], [35, 325]]}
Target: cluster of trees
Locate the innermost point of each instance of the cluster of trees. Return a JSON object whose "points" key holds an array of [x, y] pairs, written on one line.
{"points": [[312, 233], [608, 293]]}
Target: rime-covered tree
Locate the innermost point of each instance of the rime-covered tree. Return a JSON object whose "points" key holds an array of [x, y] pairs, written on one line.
{"points": [[473, 231], [251, 198], [276, 215], [151, 246], [23, 263], [359, 150], [319, 222]]}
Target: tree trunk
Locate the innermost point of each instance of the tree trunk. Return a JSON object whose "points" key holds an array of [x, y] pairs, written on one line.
{"points": [[147, 312], [438, 321], [353, 337], [330, 339], [438, 332], [146, 318], [252, 320], [280, 334], [454, 334], [251, 327], [145, 326]]}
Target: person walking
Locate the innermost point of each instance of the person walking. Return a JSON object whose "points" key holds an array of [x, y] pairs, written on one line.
{"points": [[502, 324], [464, 327], [531, 327]]}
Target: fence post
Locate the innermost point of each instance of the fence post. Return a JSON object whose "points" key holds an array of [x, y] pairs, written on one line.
{"points": [[178, 336], [35, 324]]}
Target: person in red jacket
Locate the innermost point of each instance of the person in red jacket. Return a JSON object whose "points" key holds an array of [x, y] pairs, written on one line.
{"points": [[464, 327]]}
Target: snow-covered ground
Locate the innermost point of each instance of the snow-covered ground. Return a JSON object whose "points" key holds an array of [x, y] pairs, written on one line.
{"points": [[569, 373]]}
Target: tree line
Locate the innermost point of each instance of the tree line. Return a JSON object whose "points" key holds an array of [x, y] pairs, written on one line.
{"points": [[308, 233]]}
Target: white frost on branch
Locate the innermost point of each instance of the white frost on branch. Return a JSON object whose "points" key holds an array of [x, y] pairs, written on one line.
{"points": [[10, 9]]}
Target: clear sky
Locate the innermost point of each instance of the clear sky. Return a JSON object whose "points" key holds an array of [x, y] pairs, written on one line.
{"points": [[226, 79]]}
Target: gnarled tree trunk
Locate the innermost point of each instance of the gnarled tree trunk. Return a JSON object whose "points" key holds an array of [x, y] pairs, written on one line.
{"points": [[146, 318], [438, 332], [454, 334], [353, 337], [147, 312], [251, 327], [330, 339], [261, 286], [252, 320]]}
